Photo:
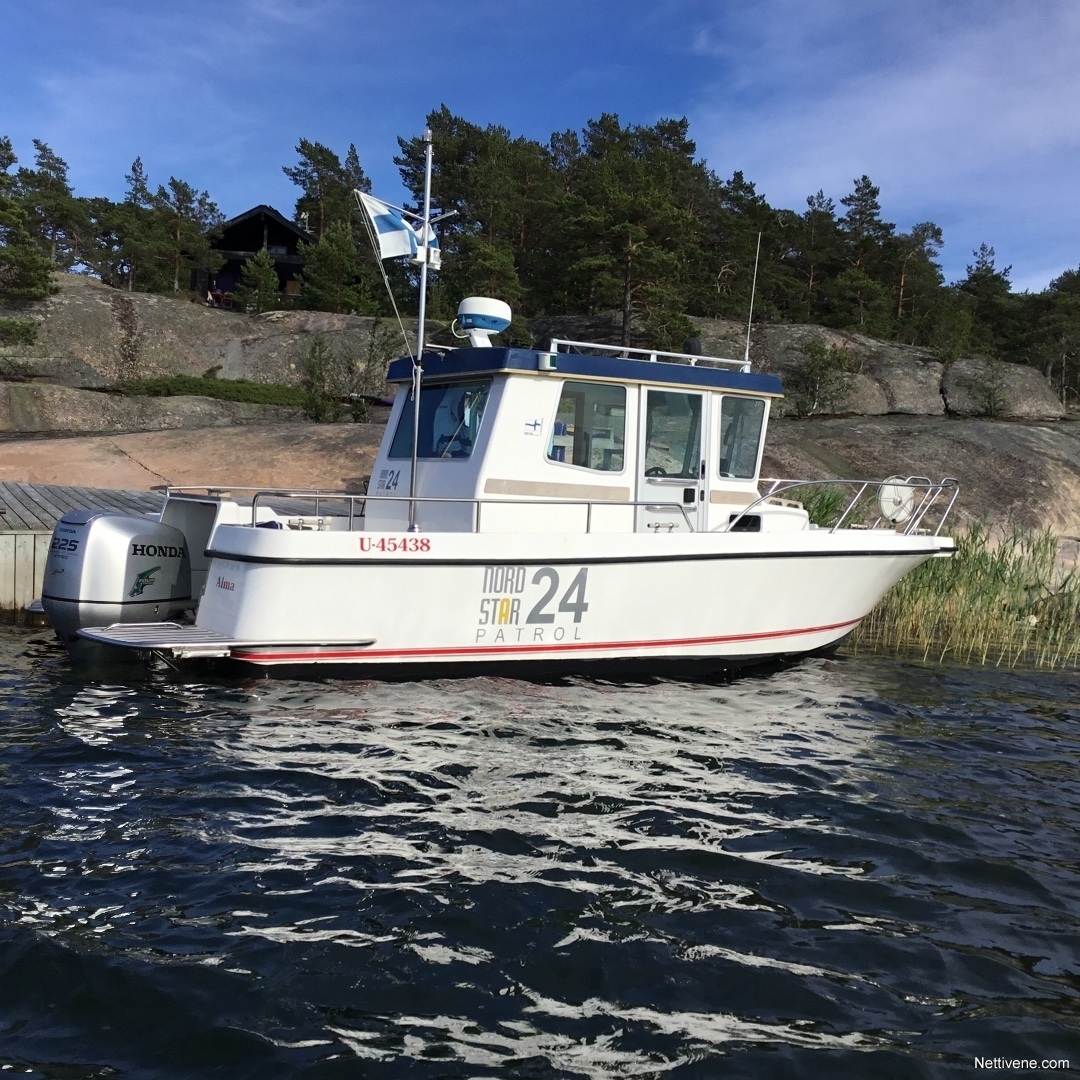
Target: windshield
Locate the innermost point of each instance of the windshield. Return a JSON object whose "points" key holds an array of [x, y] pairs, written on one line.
{"points": [[450, 417]]}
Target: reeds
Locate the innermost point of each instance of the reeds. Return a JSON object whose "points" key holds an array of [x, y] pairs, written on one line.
{"points": [[1004, 602]]}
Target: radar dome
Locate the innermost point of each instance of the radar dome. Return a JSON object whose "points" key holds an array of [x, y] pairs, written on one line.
{"points": [[480, 317]]}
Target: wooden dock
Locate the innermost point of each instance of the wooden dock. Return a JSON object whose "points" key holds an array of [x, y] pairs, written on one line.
{"points": [[28, 513]]}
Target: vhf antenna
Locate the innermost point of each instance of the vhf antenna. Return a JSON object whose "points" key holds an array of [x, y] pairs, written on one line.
{"points": [[750, 319]]}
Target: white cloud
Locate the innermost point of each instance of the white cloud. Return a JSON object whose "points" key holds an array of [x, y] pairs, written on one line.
{"points": [[217, 95], [964, 115]]}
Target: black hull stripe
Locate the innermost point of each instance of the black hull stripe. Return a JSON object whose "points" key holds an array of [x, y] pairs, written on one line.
{"points": [[115, 603], [277, 560]]}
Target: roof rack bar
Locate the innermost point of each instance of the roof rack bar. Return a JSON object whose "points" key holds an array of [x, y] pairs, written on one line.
{"points": [[652, 355]]}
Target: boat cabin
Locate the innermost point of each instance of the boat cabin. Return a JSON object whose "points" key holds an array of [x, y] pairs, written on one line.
{"points": [[520, 440]]}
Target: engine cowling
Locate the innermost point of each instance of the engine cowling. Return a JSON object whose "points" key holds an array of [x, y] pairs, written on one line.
{"points": [[106, 568]]}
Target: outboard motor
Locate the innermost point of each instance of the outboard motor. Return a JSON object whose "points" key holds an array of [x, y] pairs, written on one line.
{"points": [[106, 568]]}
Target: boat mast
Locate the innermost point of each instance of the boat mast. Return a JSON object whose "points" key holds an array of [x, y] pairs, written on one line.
{"points": [[418, 355], [750, 317]]}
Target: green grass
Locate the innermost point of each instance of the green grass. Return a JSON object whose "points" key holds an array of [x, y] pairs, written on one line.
{"points": [[1002, 602], [223, 389]]}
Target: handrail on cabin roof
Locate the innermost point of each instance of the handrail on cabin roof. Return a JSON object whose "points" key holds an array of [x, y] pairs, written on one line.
{"points": [[653, 354]]}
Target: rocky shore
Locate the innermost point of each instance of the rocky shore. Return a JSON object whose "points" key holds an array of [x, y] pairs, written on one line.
{"points": [[901, 410]]}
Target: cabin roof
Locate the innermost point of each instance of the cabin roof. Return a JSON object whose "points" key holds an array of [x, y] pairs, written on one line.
{"points": [[459, 363], [261, 212]]}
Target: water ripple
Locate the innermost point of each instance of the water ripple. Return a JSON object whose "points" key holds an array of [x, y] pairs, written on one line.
{"points": [[848, 866]]}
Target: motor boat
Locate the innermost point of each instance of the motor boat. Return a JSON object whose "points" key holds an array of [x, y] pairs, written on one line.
{"points": [[573, 507]]}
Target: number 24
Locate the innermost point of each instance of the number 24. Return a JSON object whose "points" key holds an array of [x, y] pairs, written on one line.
{"points": [[573, 599]]}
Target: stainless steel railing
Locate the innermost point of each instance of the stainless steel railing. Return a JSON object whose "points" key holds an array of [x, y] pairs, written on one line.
{"points": [[319, 497], [918, 498], [652, 355], [914, 498]]}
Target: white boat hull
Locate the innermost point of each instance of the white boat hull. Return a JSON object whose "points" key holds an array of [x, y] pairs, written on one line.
{"points": [[457, 599]]}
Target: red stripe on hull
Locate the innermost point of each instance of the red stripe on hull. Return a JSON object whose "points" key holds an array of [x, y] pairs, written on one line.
{"points": [[509, 651]]}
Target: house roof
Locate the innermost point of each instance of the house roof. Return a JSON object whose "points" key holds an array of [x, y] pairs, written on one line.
{"points": [[262, 210]]}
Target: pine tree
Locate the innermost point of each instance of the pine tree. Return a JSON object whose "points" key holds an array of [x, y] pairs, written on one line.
{"points": [[188, 216], [327, 184], [911, 259], [1046, 334], [25, 271], [862, 227], [819, 252], [988, 292], [144, 255], [51, 210], [259, 289], [331, 276], [629, 237], [858, 302]]}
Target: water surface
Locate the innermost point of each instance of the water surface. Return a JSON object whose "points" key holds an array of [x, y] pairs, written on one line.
{"points": [[849, 867]]}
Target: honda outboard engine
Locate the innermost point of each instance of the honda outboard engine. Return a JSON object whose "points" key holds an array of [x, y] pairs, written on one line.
{"points": [[106, 568]]}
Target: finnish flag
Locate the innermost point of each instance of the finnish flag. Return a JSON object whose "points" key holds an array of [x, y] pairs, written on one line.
{"points": [[395, 236]]}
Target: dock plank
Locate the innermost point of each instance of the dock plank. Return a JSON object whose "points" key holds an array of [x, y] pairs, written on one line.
{"points": [[25, 587], [15, 517], [35, 507], [7, 571], [41, 556], [46, 498]]}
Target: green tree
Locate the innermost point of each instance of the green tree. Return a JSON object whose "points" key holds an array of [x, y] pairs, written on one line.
{"points": [[187, 217], [733, 215], [143, 238], [259, 289], [25, 270], [99, 241], [1048, 334], [332, 279], [51, 211], [501, 192], [859, 302], [818, 384], [327, 185], [911, 258], [333, 382], [629, 235], [947, 325], [862, 228], [989, 295], [818, 252]]}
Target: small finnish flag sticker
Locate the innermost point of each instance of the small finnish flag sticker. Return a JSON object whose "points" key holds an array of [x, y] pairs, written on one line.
{"points": [[534, 427]]}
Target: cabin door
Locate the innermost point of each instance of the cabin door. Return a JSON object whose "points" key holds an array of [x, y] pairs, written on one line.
{"points": [[671, 461]]}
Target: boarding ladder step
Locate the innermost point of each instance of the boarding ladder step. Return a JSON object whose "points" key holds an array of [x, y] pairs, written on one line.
{"points": [[189, 641]]}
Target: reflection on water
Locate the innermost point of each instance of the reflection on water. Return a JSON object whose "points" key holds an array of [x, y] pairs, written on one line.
{"points": [[848, 865]]}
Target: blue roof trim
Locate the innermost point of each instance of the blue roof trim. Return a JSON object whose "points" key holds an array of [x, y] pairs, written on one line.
{"points": [[465, 362], [613, 367], [459, 362]]}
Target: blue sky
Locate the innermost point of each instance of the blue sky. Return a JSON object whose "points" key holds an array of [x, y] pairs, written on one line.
{"points": [[963, 112]]}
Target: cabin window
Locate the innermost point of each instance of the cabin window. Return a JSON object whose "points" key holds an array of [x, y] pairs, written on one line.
{"points": [[741, 421], [590, 426], [673, 434], [450, 417]]}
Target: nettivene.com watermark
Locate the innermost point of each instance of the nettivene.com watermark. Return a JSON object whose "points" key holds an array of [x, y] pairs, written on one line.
{"points": [[1022, 1063]]}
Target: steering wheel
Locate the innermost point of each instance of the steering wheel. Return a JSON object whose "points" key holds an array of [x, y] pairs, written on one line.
{"points": [[656, 471]]}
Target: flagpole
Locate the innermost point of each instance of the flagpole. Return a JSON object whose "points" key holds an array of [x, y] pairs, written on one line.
{"points": [[418, 356]]}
